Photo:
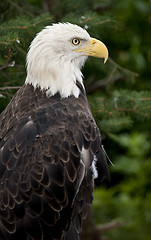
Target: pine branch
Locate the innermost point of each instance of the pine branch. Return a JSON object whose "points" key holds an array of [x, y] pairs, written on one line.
{"points": [[14, 4], [134, 110], [7, 61], [145, 99], [108, 226], [103, 21], [89, 19], [22, 50], [123, 69], [93, 85], [26, 26], [5, 93], [10, 41], [9, 88]]}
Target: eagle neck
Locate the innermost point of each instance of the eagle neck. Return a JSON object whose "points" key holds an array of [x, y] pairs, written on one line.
{"points": [[57, 76]]}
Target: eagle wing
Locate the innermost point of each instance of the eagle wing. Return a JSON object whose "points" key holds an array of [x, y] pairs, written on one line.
{"points": [[46, 175]]}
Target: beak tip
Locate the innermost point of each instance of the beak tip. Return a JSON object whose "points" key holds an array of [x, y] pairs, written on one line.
{"points": [[105, 59]]}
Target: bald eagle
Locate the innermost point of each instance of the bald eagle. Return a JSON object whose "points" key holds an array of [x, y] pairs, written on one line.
{"points": [[50, 147]]}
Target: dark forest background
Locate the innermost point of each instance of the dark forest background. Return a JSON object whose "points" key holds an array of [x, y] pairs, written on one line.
{"points": [[119, 93]]}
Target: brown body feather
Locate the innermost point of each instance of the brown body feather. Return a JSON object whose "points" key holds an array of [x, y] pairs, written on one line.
{"points": [[46, 181]]}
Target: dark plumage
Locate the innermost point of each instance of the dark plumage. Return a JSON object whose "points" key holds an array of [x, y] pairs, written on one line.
{"points": [[44, 185], [50, 148]]}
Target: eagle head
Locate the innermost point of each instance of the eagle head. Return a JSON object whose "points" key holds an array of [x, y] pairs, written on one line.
{"points": [[56, 56]]}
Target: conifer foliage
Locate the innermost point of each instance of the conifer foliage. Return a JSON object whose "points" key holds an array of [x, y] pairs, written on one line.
{"points": [[119, 92]]}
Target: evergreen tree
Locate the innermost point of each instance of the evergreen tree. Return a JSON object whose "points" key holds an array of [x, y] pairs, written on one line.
{"points": [[119, 92]]}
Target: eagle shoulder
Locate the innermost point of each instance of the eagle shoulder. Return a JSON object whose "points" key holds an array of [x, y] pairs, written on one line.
{"points": [[47, 146]]}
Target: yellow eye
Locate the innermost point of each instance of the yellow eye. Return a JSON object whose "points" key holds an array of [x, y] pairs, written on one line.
{"points": [[75, 41]]}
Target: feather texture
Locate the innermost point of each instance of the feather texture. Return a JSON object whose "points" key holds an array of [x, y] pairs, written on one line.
{"points": [[46, 183]]}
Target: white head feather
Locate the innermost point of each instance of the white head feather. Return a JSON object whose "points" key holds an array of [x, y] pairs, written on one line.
{"points": [[52, 62]]}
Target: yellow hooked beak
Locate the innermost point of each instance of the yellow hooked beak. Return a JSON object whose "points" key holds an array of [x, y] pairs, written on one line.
{"points": [[95, 48]]}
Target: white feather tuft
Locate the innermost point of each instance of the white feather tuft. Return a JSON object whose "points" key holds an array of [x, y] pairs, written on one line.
{"points": [[93, 167], [52, 63]]}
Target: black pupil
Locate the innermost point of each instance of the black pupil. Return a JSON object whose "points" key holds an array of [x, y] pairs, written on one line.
{"points": [[76, 41]]}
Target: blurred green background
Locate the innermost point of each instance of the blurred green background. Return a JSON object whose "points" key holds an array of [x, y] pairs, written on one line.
{"points": [[119, 93]]}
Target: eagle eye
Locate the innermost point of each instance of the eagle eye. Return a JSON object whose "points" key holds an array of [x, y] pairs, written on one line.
{"points": [[75, 41]]}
